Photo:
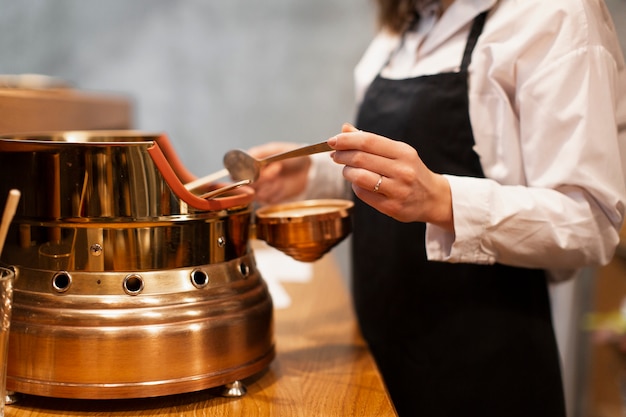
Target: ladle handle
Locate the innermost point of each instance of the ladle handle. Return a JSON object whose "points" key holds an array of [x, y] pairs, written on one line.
{"points": [[208, 179], [305, 150]]}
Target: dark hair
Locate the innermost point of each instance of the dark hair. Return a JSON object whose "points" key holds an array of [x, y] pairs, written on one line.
{"points": [[396, 15]]}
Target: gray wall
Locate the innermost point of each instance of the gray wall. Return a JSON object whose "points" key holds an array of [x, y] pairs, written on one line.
{"points": [[214, 75], [618, 11]]}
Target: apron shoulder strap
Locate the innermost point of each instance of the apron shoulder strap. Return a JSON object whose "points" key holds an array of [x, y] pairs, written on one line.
{"points": [[477, 28]]}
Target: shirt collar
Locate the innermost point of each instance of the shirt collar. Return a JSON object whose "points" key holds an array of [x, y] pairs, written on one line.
{"points": [[456, 17]]}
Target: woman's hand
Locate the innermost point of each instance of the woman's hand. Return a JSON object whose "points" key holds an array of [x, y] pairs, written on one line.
{"points": [[280, 180], [390, 176]]}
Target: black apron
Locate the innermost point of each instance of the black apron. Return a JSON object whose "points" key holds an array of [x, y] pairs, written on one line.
{"points": [[449, 339]]}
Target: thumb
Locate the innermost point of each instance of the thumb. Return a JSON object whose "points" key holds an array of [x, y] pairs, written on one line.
{"points": [[347, 127]]}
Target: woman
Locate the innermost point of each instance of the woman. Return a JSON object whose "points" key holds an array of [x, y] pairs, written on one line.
{"points": [[485, 161]]}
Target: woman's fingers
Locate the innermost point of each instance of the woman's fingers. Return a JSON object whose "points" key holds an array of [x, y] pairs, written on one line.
{"points": [[357, 140]]}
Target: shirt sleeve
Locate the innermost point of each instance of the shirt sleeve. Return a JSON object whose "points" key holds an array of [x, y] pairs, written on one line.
{"points": [[567, 209], [325, 179]]}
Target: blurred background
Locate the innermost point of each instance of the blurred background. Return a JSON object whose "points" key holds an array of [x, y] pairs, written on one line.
{"points": [[222, 74], [213, 75]]}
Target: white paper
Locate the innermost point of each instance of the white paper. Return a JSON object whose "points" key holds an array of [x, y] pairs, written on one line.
{"points": [[277, 267]]}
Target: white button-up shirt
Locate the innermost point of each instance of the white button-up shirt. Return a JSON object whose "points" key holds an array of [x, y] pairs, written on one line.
{"points": [[547, 92]]}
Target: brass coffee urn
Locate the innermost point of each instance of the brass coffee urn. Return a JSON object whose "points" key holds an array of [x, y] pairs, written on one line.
{"points": [[129, 285]]}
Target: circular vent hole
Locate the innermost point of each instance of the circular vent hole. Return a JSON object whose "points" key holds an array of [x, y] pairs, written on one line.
{"points": [[61, 281], [133, 284], [199, 278], [244, 269]]}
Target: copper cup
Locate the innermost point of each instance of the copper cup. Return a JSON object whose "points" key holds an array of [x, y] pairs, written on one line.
{"points": [[305, 230]]}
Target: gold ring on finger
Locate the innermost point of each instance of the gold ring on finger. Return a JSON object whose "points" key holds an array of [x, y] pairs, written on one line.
{"points": [[377, 186]]}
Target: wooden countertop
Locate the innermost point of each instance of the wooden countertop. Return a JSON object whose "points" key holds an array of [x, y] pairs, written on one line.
{"points": [[322, 368], [41, 109]]}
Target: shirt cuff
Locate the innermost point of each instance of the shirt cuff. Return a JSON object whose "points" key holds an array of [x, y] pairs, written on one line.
{"points": [[325, 179], [470, 207]]}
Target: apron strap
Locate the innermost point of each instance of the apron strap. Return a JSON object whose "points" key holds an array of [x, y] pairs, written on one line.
{"points": [[477, 28]]}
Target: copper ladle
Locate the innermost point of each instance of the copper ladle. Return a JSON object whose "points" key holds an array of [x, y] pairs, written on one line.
{"points": [[243, 167]]}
